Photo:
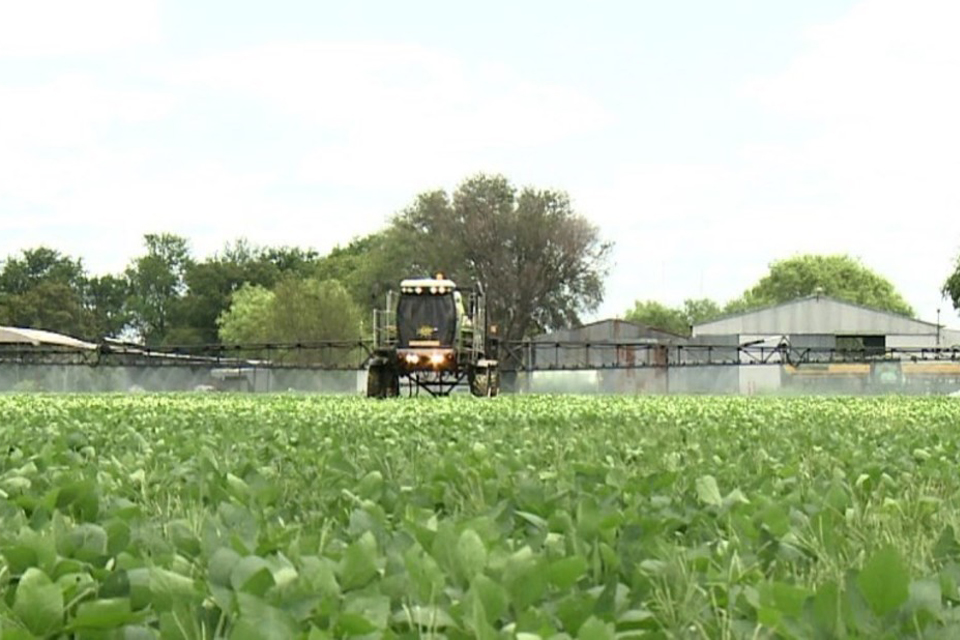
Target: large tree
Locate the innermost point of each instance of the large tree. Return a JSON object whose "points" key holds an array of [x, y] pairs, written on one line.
{"points": [[541, 262], [295, 311], [212, 282], [156, 284], [105, 300], [44, 289], [368, 267], [951, 288], [839, 276]]}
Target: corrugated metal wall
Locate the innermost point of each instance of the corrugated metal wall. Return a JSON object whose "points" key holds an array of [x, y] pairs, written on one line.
{"points": [[815, 316]]}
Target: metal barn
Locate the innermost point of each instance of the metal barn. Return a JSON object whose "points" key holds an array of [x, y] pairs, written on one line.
{"points": [[822, 322], [601, 344]]}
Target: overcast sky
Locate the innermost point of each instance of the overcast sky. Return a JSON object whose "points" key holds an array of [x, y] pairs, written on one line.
{"points": [[705, 138]]}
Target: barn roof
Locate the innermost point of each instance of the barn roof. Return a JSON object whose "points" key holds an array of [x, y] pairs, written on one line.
{"points": [[816, 314], [39, 337], [611, 330]]}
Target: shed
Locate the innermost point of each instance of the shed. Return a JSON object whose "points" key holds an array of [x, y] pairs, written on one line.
{"points": [[40, 338], [604, 343], [820, 321]]}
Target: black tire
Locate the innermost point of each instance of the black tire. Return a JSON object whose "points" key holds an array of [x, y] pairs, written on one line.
{"points": [[375, 387], [484, 382], [494, 382], [391, 385]]}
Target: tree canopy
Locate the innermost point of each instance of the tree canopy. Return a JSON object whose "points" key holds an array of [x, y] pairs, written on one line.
{"points": [[674, 319], [295, 311], [542, 263], [951, 288], [156, 285], [44, 289], [838, 276]]}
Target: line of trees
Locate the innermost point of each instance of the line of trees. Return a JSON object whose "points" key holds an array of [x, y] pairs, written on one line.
{"points": [[837, 276], [543, 265]]}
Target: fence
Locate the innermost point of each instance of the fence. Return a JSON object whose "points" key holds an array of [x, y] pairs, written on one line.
{"points": [[528, 367]]}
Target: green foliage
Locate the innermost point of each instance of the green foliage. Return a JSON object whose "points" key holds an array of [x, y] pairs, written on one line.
{"points": [[211, 284], [674, 320], [541, 262], [368, 267], [838, 276], [248, 319], [659, 316], [156, 284], [316, 517], [43, 289], [296, 311], [951, 287], [105, 297]]}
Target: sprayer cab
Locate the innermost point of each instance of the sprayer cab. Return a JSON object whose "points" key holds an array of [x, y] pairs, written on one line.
{"points": [[434, 335]]}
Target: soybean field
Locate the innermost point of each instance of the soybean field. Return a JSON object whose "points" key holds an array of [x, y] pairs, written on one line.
{"points": [[200, 516]]}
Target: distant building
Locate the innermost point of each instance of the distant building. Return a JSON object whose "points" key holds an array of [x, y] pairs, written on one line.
{"points": [[18, 337], [820, 322], [827, 344], [601, 344]]}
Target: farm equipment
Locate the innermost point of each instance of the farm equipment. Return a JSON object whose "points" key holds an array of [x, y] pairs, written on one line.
{"points": [[435, 336]]}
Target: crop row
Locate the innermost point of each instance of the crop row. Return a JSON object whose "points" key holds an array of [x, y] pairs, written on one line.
{"points": [[193, 516]]}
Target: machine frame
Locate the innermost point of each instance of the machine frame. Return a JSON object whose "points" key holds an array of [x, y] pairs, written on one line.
{"points": [[430, 363]]}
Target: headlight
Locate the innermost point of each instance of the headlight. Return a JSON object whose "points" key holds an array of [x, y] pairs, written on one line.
{"points": [[433, 289], [436, 358], [419, 290], [412, 358]]}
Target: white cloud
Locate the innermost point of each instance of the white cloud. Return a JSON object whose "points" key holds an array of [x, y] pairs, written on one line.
{"points": [[397, 114], [71, 109], [384, 117], [864, 162], [64, 27], [52, 136]]}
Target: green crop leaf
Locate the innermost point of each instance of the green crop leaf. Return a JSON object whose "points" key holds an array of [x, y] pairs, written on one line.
{"points": [[595, 629], [167, 588], [252, 575], [138, 632], [565, 572], [39, 603], [184, 538], [221, 565], [364, 614], [319, 575], [823, 610], [533, 519], [371, 486], [81, 499], [492, 596], [947, 548], [261, 621], [426, 576], [109, 613], [87, 542], [884, 581], [420, 617], [359, 564], [789, 599], [471, 553], [708, 492], [118, 536]]}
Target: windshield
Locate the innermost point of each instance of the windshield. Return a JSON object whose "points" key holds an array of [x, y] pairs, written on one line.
{"points": [[429, 320]]}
